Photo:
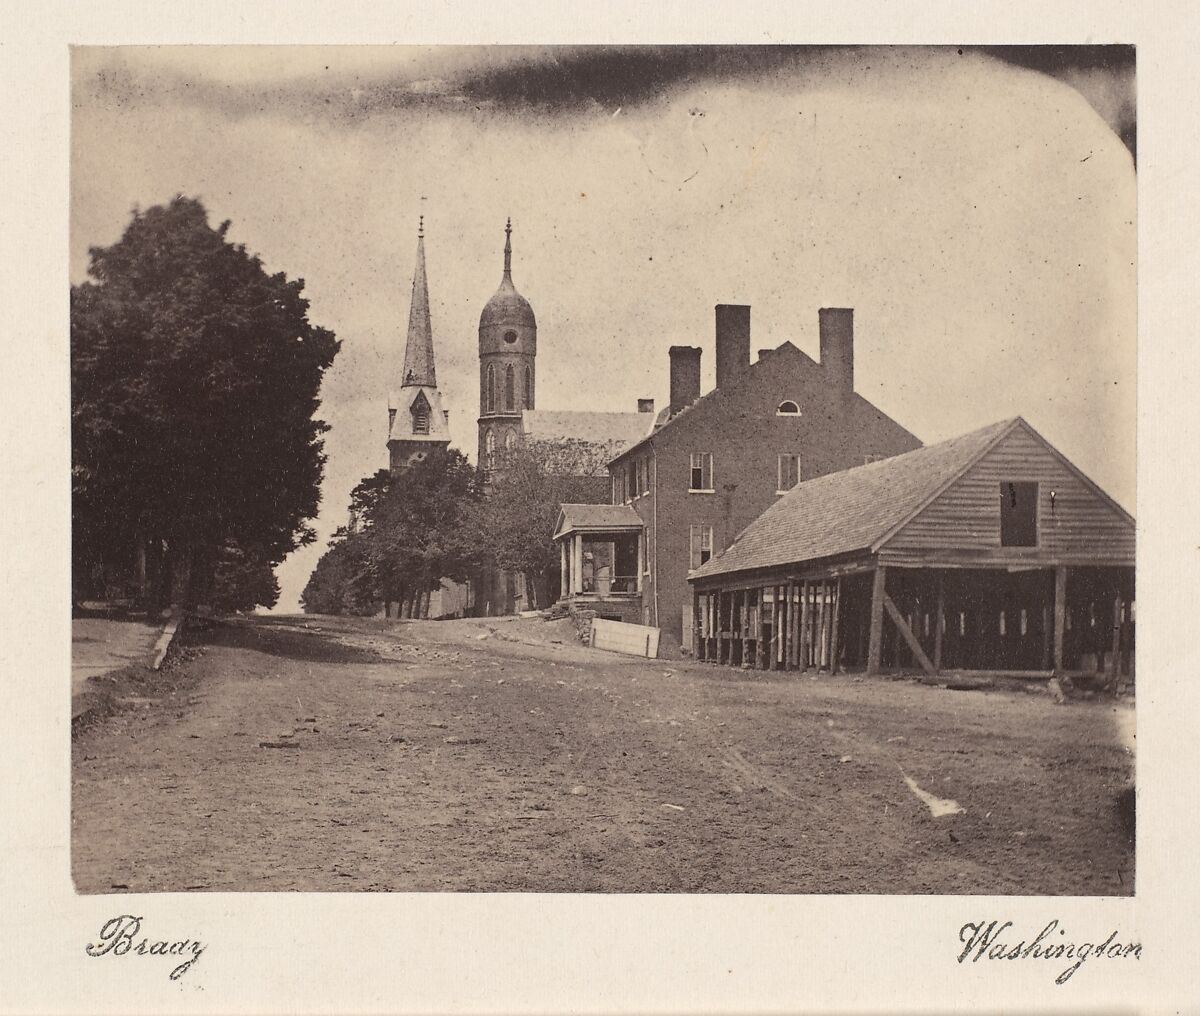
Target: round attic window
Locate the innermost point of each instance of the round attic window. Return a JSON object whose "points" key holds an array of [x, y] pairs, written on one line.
{"points": [[510, 336], [788, 408]]}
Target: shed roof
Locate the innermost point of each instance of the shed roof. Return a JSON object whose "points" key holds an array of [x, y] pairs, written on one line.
{"points": [[580, 517], [853, 510]]}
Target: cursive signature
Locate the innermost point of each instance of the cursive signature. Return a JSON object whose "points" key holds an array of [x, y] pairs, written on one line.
{"points": [[118, 937], [984, 939]]}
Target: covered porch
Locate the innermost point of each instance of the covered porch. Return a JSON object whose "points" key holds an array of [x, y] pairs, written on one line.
{"points": [[602, 554]]}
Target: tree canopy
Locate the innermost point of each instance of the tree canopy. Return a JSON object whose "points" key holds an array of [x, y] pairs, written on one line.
{"points": [[195, 377], [410, 531]]}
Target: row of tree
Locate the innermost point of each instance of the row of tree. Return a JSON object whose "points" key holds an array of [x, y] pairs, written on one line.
{"points": [[437, 520], [197, 456]]}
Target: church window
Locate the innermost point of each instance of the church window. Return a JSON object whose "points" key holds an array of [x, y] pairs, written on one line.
{"points": [[528, 388], [420, 414], [510, 337], [509, 389], [491, 389], [489, 448], [788, 408], [510, 440]]}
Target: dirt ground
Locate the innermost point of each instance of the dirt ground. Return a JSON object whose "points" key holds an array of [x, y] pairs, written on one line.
{"points": [[499, 754]]}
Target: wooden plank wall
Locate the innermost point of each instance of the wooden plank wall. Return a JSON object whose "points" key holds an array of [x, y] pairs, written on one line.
{"points": [[1078, 525]]}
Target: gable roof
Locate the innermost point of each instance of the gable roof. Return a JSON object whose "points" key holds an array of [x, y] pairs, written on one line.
{"points": [[583, 443], [856, 509], [573, 517], [766, 362], [550, 425]]}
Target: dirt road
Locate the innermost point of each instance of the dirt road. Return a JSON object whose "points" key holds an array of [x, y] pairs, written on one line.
{"points": [[501, 755]]}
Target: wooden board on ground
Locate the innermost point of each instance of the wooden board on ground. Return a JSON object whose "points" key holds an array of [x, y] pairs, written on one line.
{"points": [[619, 637]]}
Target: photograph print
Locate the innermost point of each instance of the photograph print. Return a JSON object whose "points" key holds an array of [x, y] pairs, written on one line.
{"points": [[603, 469]]}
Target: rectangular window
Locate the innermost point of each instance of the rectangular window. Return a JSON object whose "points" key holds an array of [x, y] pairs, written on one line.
{"points": [[702, 542], [1018, 514], [702, 471], [789, 472]]}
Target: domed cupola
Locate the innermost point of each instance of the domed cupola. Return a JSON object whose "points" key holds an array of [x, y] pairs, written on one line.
{"points": [[507, 308]]}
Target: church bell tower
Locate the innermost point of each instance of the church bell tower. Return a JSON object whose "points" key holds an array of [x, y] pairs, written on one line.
{"points": [[507, 375], [417, 423]]}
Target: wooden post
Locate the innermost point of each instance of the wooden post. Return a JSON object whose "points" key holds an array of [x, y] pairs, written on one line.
{"points": [[806, 610], [781, 639], [837, 611], [878, 585], [939, 622], [1114, 665], [769, 644], [697, 622], [790, 627], [793, 625], [1060, 616]]}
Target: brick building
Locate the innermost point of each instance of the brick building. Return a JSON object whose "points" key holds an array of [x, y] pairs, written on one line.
{"points": [[713, 464]]}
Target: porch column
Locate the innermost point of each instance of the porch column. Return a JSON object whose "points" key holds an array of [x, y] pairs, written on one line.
{"points": [[697, 620], [564, 577], [577, 563], [876, 644], [1060, 615], [641, 557], [938, 622]]}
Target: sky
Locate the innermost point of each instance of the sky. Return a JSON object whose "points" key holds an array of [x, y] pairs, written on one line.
{"points": [[976, 208]]}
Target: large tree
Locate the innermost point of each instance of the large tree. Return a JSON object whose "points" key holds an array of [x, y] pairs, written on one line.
{"points": [[521, 511], [408, 532], [195, 376]]}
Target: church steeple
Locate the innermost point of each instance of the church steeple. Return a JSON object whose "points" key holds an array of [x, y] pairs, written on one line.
{"points": [[418, 353], [417, 423]]}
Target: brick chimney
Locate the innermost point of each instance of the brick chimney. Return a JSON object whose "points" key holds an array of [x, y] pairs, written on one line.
{"points": [[685, 376], [733, 342], [837, 347], [645, 405]]}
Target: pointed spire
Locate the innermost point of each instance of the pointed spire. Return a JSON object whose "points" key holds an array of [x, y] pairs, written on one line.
{"points": [[508, 250], [418, 353]]}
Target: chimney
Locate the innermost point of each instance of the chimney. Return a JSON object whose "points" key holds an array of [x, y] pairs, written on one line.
{"points": [[837, 347], [685, 376], [733, 342], [645, 405]]}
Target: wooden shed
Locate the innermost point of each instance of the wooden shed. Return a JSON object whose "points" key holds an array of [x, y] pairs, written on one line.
{"points": [[990, 552]]}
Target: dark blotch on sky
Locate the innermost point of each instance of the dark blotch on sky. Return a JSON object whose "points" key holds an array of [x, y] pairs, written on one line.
{"points": [[571, 79]]}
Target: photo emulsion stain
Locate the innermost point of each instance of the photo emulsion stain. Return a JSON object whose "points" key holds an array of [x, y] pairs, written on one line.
{"points": [[623, 470]]}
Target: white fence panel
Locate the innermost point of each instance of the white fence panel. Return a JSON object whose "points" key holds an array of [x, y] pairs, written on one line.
{"points": [[619, 637]]}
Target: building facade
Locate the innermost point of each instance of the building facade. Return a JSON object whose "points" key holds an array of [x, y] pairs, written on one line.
{"points": [[507, 365], [714, 464]]}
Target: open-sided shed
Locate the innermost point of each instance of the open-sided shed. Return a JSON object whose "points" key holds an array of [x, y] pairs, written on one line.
{"points": [[988, 552]]}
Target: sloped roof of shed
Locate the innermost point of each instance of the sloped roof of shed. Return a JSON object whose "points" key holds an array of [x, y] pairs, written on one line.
{"points": [[841, 513]]}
